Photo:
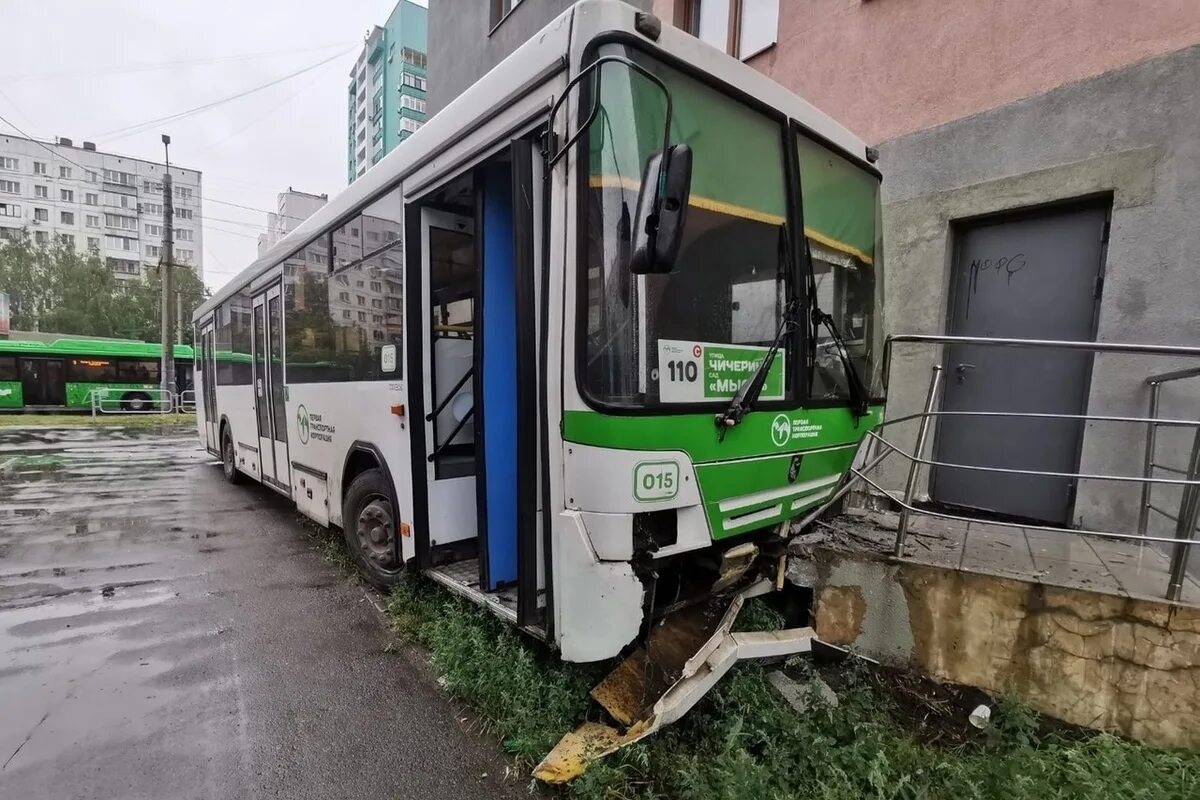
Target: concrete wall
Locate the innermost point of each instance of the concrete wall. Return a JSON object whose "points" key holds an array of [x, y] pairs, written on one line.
{"points": [[888, 68], [1118, 664], [1130, 134], [463, 45]]}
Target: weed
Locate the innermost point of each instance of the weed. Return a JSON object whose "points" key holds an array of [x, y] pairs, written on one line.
{"points": [[153, 421], [744, 742]]}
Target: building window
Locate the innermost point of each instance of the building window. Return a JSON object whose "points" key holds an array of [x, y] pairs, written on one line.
{"points": [[39, 168], [10, 187], [91, 199], [183, 213], [66, 195], [413, 103], [93, 243], [10, 210], [41, 192], [120, 243], [152, 251], [92, 220], [123, 266], [41, 215], [92, 177], [9, 163], [183, 234], [67, 238], [183, 193], [66, 217], [741, 28], [415, 81], [186, 256], [414, 57], [153, 230], [501, 9], [121, 178], [152, 208], [64, 172], [41, 237], [410, 125], [120, 221]]}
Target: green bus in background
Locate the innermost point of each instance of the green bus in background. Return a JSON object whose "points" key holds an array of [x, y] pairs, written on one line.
{"points": [[62, 374]]}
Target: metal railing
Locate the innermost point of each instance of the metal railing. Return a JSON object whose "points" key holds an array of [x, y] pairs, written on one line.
{"points": [[141, 401], [875, 449]]}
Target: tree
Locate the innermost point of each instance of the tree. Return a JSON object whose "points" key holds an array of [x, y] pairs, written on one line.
{"points": [[53, 288]]}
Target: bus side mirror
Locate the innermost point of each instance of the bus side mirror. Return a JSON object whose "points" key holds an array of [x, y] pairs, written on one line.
{"points": [[661, 211]]}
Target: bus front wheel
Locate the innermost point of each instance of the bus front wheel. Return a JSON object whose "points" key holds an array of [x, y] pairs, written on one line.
{"points": [[369, 525], [228, 464]]}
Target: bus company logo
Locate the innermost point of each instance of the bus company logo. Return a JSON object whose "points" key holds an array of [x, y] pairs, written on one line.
{"points": [[781, 430], [311, 427], [302, 423]]}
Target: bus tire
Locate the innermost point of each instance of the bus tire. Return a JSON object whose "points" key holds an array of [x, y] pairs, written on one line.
{"points": [[228, 458], [369, 522], [135, 401]]}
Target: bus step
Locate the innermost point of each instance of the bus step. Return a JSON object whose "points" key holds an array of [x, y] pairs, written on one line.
{"points": [[687, 653]]}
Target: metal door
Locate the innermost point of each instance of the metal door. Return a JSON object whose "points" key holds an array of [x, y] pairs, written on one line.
{"points": [[43, 382], [1036, 276]]}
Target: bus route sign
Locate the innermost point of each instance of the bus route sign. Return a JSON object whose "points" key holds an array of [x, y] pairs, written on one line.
{"points": [[701, 372]]}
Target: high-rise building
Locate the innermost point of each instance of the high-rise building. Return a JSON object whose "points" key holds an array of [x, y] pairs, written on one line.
{"points": [[96, 201], [292, 208], [386, 97]]}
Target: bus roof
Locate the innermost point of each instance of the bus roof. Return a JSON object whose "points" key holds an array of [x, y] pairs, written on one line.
{"points": [[530, 65], [89, 347]]}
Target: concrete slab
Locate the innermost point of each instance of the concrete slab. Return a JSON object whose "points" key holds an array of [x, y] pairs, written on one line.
{"points": [[1124, 568]]}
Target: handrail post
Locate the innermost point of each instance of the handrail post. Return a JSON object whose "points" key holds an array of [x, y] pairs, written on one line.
{"points": [[1148, 465], [910, 487], [1185, 526]]}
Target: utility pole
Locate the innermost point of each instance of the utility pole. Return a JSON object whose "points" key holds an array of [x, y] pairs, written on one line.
{"points": [[167, 369]]}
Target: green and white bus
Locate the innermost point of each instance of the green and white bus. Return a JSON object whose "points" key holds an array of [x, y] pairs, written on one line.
{"points": [[581, 348], [63, 374]]}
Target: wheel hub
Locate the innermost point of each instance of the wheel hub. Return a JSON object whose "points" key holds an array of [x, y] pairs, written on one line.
{"points": [[376, 533]]}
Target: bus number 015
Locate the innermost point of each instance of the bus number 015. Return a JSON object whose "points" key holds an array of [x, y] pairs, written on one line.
{"points": [[655, 480]]}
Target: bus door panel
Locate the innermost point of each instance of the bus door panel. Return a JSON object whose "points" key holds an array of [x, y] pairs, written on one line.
{"points": [[43, 381], [276, 387], [262, 389], [207, 403], [448, 255]]}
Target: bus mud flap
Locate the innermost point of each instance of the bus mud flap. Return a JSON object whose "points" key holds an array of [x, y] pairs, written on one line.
{"points": [[686, 654]]}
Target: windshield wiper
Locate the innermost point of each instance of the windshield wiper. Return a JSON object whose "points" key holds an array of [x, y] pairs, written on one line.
{"points": [[747, 395], [857, 391]]}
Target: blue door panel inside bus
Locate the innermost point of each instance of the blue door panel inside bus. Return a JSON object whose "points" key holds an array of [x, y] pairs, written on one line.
{"points": [[498, 334]]}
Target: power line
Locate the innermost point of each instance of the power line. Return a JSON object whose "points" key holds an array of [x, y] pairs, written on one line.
{"points": [[130, 130], [166, 64]]}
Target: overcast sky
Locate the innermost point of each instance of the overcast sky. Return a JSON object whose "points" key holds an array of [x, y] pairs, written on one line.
{"points": [[82, 69]]}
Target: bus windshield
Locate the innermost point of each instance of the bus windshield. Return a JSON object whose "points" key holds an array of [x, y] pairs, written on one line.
{"points": [[694, 335]]}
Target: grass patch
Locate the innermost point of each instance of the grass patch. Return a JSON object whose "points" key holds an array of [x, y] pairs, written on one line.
{"points": [[153, 421], [743, 741]]}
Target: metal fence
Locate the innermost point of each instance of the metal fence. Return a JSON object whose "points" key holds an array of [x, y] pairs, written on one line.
{"points": [[143, 401], [876, 448]]}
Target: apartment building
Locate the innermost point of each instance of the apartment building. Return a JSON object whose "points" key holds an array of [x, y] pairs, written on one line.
{"points": [[1040, 171], [292, 208], [386, 100], [97, 201]]}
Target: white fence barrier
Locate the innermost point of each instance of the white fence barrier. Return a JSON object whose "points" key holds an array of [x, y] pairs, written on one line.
{"points": [[142, 401]]}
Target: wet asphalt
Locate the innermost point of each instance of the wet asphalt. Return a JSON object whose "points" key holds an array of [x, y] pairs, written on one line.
{"points": [[166, 635]]}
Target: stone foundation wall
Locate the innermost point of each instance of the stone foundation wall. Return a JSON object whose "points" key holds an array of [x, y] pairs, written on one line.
{"points": [[1123, 665]]}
